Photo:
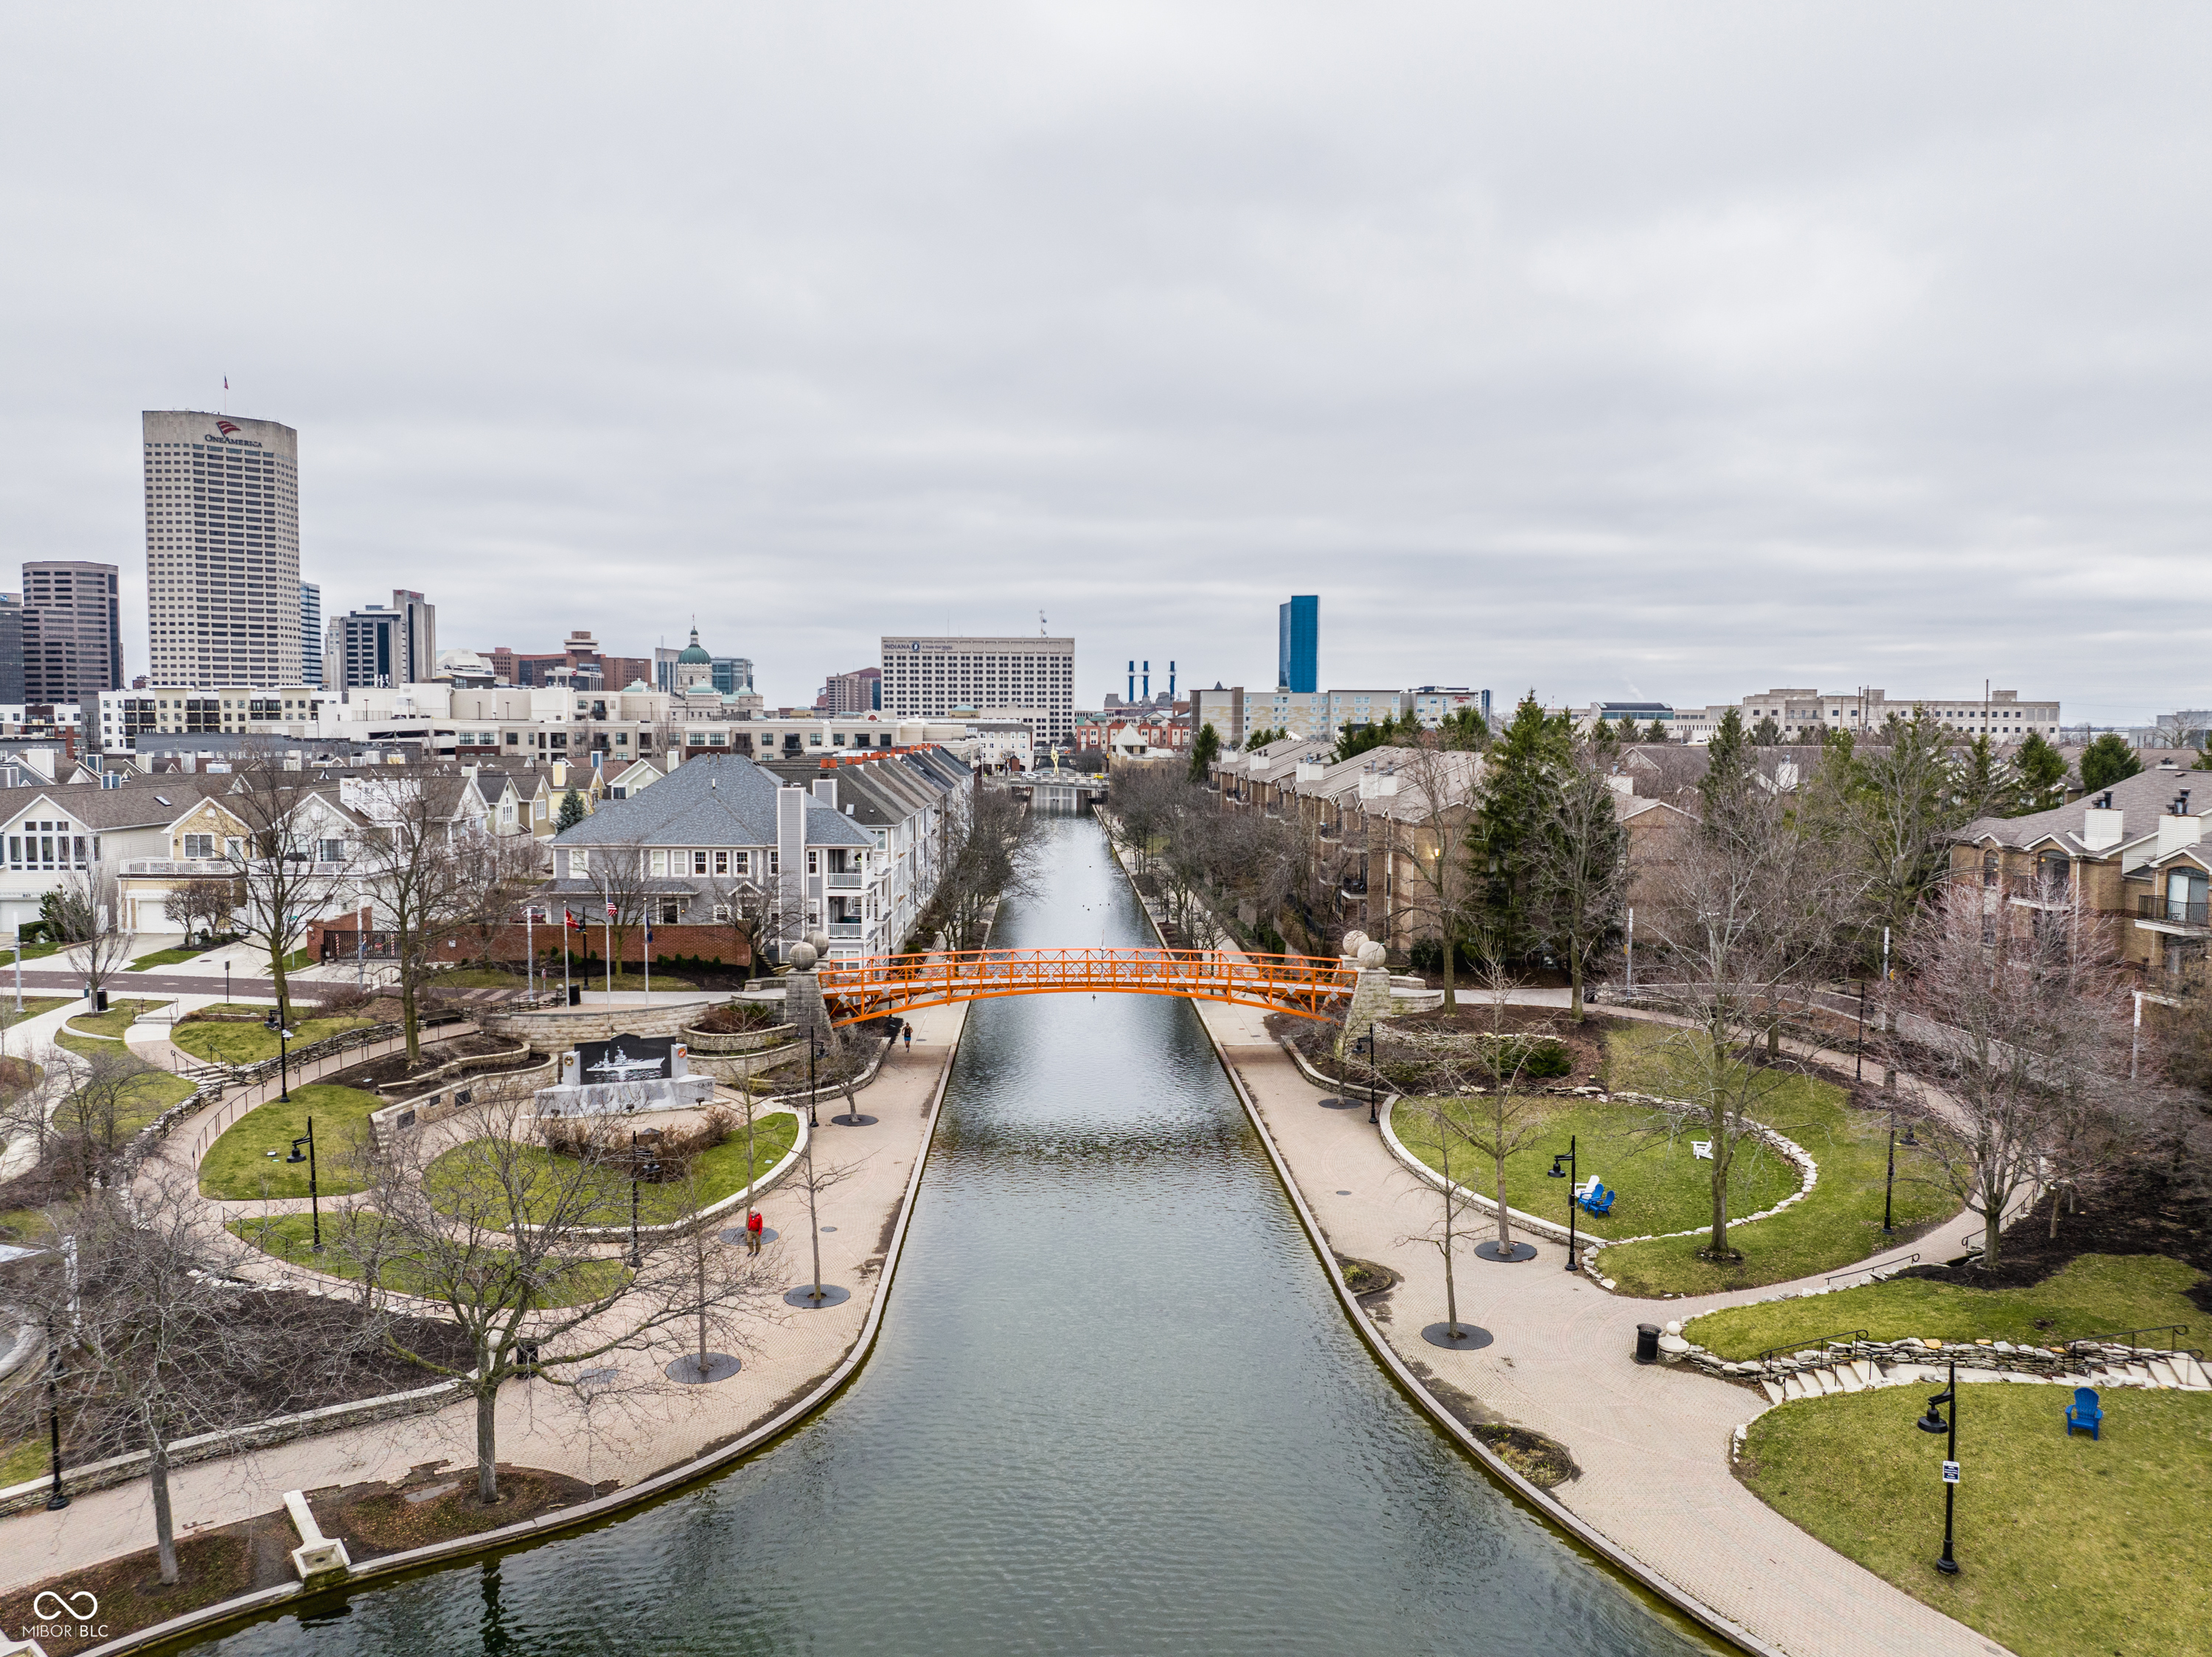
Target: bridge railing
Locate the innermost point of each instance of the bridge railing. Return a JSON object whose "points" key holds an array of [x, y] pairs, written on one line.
{"points": [[886, 982]]}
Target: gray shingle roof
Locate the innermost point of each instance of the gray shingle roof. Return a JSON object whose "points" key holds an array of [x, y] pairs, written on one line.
{"points": [[711, 800]]}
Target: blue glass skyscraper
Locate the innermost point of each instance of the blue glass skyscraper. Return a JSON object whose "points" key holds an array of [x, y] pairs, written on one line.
{"points": [[1298, 648]]}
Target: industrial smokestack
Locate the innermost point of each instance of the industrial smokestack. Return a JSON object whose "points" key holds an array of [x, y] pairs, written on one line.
{"points": [[1148, 681], [1170, 682], [1133, 679]]}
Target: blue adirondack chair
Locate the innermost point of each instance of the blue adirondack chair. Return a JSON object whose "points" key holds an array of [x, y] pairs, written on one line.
{"points": [[1599, 1200], [2084, 1413]]}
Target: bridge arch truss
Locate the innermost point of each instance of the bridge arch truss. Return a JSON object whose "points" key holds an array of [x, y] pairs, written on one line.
{"points": [[1307, 986]]}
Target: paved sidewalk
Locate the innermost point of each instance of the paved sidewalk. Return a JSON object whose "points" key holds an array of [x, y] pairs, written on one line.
{"points": [[545, 1427], [1653, 1443]]}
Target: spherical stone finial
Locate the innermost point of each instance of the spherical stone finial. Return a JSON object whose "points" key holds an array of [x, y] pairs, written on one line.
{"points": [[803, 957], [1354, 942], [820, 939], [1371, 956]]}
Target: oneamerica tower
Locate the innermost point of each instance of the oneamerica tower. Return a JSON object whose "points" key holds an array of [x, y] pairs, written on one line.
{"points": [[222, 550]]}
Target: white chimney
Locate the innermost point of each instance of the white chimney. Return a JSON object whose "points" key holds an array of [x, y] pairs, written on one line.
{"points": [[1376, 784], [2175, 833], [1309, 771], [1620, 784], [2102, 829]]}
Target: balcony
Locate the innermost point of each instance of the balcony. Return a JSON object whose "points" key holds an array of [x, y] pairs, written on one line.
{"points": [[842, 880], [845, 928], [2174, 914], [1355, 885]]}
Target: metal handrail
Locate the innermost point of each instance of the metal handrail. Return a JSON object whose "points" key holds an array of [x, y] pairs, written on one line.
{"points": [[1823, 1340], [1911, 1259], [874, 985]]}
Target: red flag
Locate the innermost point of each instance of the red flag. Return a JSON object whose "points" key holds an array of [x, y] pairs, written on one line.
{"points": [[610, 912], [570, 915]]}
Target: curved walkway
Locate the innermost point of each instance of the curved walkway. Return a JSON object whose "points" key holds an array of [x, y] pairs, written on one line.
{"points": [[1653, 1443], [546, 1427]]}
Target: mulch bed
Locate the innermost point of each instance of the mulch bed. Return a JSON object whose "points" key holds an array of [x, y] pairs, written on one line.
{"points": [[212, 1565], [392, 1068], [437, 1501], [1585, 1042], [2141, 1209], [374, 1518], [1544, 1462], [1364, 1277]]}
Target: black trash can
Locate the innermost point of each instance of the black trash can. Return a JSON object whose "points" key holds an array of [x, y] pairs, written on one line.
{"points": [[102, 998], [1646, 1343], [575, 995]]}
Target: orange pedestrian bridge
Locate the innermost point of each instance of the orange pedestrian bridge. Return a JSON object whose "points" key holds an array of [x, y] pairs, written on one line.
{"points": [[1309, 986]]}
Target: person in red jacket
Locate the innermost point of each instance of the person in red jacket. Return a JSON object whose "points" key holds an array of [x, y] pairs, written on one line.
{"points": [[753, 1232]]}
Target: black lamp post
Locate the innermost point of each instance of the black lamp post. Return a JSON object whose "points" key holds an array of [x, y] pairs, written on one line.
{"points": [[314, 1201], [1366, 1044], [275, 1023], [814, 1050], [1858, 1063], [57, 1498], [1570, 1174], [651, 1170], [1889, 1180], [1933, 1422]]}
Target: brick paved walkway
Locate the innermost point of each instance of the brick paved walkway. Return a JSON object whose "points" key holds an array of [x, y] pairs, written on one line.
{"points": [[545, 1427], [1653, 1443]]}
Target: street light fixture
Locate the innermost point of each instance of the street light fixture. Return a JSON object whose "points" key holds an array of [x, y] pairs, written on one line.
{"points": [[1889, 1180], [815, 1049], [1568, 1173], [1933, 1422], [650, 1169], [57, 1498], [1366, 1044], [274, 1024], [314, 1201]]}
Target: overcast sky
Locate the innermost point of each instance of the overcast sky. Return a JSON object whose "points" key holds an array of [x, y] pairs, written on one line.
{"points": [[1662, 350]]}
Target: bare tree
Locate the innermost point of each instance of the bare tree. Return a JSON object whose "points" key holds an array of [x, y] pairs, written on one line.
{"points": [[621, 889], [417, 858], [817, 1179], [91, 914], [88, 1125], [1580, 859], [1450, 1122], [285, 881], [496, 878], [509, 1244], [987, 851], [1745, 928], [1505, 1117], [142, 1306], [203, 905], [2024, 1028], [1434, 805]]}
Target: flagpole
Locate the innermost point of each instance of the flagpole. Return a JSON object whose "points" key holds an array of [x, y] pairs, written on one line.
{"points": [[610, 935], [566, 988], [529, 953], [648, 952]]}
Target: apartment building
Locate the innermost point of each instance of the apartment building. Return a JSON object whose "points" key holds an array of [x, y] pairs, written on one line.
{"points": [[72, 623]]}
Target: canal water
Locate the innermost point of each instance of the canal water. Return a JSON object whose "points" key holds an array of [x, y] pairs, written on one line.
{"points": [[1114, 1408]]}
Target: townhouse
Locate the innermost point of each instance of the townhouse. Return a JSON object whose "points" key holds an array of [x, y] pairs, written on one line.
{"points": [[2136, 855], [849, 849]]}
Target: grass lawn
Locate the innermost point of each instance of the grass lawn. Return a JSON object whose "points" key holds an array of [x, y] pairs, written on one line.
{"points": [[23, 1462], [291, 1237], [166, 957], [2093, 1294], [31, 951], [723, 1171], [248, 1043], [119, 1016], [240, 1166], [33, 1005], [2065, 1544], [1838, 1223], [149, 1091], [1663, 1187]]}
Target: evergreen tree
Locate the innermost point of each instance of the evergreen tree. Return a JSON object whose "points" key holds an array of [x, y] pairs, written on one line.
{"points": [[1767, 734], [1205, 749], [572, 811], [2038, 777], [1658, 733], [1522, 778], [2106, 761], [1466, 731], [1981, 789], [1728, 766]]}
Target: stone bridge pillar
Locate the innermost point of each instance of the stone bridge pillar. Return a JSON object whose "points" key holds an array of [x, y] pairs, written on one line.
{"points": [[802, 1005], [1371, 995]]}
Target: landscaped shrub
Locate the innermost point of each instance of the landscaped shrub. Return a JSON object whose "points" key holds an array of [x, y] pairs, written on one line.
{"points": [[736, 1017], [657, 1163]]}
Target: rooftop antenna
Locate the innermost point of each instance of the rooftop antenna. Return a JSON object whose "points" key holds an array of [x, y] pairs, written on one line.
{"points": [[1040, 624]]}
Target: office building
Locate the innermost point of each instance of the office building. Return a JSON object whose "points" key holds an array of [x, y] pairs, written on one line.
{"points": [[222, 550], [311, 633], [375, 645], [11, 649], [860, 691], [72, 631], [1029, 678], [1297, 649], [733, 676], [1222, 708]]}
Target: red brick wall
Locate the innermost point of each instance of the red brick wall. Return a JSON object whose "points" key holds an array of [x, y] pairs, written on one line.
{"points": [[507, 944]]}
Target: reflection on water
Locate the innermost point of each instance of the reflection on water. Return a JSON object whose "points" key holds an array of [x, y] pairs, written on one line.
{"points": [[1114, 1408]]}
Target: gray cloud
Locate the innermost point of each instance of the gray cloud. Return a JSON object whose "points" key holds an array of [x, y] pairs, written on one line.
{"points": [[1689, 349]]}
